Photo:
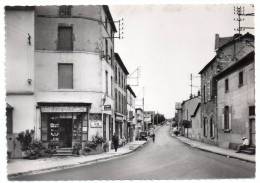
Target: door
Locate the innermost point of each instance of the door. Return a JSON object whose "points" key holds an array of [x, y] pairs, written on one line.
{"points": [[252, 131], [66, 132]]}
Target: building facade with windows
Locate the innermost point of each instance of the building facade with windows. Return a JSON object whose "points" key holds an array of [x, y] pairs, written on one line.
{"points": [[131, 118], [236, 102], [228, 51], [65, 72], [139, 121], [120, 94]]}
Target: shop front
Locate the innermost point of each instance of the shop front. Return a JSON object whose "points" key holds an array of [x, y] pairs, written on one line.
{"points": [[64, 124], [119, 125]]}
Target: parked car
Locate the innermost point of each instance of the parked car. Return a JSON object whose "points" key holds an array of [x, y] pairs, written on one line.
{"points": [[143, 135]]}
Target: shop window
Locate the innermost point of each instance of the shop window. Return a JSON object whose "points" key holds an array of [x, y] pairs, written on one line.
{"points": [[226, 85], [240, 79], [65, 41], [65, 76], [110, 127], [65, 11]]}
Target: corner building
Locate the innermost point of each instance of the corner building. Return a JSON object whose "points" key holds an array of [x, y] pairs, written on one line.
{"points": [[73, 74]]}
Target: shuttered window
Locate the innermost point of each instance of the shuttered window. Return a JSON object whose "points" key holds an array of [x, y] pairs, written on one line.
{"points": [[65, 76], [65, 38]]}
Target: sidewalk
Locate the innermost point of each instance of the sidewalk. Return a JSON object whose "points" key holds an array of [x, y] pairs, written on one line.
{"points": [[26, 167], [217, 150]]}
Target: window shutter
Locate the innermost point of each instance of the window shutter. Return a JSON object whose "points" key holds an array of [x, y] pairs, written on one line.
{"points": [[223, 118], [230, 117]]}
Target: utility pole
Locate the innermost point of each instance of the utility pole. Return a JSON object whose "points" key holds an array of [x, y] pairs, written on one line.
{"points": [[240, 12]]}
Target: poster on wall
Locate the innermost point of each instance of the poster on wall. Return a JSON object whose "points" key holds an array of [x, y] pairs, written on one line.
{"points": [[96, 124]]}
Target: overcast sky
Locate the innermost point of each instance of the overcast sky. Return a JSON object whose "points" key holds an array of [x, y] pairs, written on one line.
{"points": [[169, 42]]}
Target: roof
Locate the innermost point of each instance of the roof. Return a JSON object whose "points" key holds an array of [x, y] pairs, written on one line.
{"points": [[208, 64], [110, 18], [8, 106], [120, 62], [249, 58], [22, 8], [131, 90], [220, 41], [196, 110], [234, 38]]}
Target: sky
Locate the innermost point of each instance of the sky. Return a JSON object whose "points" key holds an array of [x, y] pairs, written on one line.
{"points": [[168, 43]]}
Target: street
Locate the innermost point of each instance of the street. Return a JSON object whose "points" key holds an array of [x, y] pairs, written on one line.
{"points": [[167, 158]]}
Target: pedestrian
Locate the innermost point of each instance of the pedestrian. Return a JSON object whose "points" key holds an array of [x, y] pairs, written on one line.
{"points": [[153, 136], [244, 145], [115, 141]]}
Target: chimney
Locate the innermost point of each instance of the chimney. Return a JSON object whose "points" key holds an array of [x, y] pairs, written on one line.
{"points": [[216, 41]]}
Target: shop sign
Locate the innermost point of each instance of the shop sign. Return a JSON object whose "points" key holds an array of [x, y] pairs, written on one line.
{"points": [[84, 129], [107, 107], [119, 118], [96, 124], [62, 109]]}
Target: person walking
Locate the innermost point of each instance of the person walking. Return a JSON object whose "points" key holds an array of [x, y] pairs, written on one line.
{"points": [[153, 136], [115, 141]]}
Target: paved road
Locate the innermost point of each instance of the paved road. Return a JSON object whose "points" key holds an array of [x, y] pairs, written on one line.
{"points": [[167, 158]]}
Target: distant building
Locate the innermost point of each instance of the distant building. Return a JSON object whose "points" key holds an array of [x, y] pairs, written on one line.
{"points": [[148, 119], [228, 51], [236, 102], [191, 118], [131, 118], [139, 120]]}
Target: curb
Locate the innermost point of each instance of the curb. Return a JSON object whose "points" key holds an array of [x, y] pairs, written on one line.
{"points": [[78, 164], [222, 154]]}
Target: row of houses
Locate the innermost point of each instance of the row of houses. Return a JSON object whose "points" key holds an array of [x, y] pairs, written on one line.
{"points": [[64, 79], [224, 111]]}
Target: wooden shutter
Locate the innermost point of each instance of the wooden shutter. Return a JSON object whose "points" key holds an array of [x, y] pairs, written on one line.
{"points": [[230, 117], [223, 118], [65, 76], [65, 38]]}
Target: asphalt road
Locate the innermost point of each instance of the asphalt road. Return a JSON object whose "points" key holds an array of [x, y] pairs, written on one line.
{"points": [[167, 158]]}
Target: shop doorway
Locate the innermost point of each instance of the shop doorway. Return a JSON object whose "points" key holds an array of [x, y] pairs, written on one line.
{"points": [[66, 132], [252, 131]]}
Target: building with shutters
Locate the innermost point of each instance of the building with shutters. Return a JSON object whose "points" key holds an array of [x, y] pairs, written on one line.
{"points": [[64, 69], [236, 102], [228, 51], [120, 92]]}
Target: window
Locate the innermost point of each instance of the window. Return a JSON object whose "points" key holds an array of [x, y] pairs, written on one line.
{"points": [[251, 110], [119, 78], [111, 57], [115, 74], [211, 129], [226, 85], [106, 23], [65, 11], [205, 126], [227, 118], [204, 94], [106, 83], [65, 38], [240, 79], [115, 99], [65, 76], [106, 49], [9, 120], [213, 88], [111, 80]]}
